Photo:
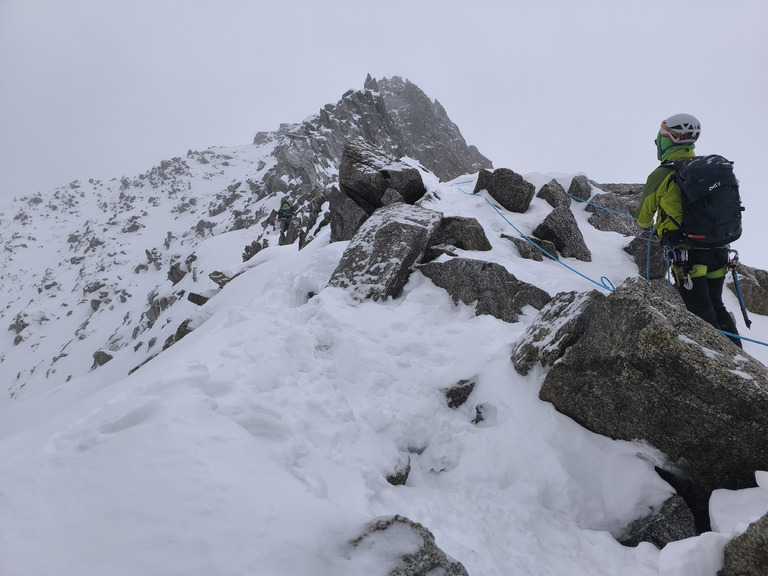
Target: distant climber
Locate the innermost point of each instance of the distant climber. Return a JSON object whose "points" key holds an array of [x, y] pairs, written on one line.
{"points": [[285, 213], [699, 270]]}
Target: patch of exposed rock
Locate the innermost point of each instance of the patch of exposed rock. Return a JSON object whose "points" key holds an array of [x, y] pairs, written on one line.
{"points": [[369, 179], [672, 522], [612, 213], [560, 228], [646, 368], [554, 194], [557, 327], [649, 258], [378, 260], [410, 546], [457, 232], [747, 554], [506, 187], [496, 291]]}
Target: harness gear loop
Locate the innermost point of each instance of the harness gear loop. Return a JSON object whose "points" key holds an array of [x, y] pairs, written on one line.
{"points": [[680, 265]]}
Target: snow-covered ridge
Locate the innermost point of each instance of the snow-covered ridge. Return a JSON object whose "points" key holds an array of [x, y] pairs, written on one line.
{"points": [[262, 441]]}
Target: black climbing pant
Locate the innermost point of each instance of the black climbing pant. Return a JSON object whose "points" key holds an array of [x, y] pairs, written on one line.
{"points": [[705, 298]]}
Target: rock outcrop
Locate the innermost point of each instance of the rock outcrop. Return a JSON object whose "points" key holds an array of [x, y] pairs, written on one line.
{"points": [[558, 326], [649, 258], [554, 194], [378, 260], [506, 187], [560, 228], [411, 545], [496, 291], [457, 232], [612, 213], [369, 179], [422, 129], [645, 368], [580, 188], [747, 554], [366, 174], [672, 522]]}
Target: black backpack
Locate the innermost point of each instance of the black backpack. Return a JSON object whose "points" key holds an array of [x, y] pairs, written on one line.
{"points": [[711, 203]]}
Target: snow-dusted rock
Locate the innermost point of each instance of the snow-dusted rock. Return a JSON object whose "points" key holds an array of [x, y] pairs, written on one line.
{"points": [[366, 174], [398, 546], [508, 188], [670, 523], [457, 232], [378, 260], [496, 291], [560, 228], [618, 215], [559, 325], [580, 187], [747, 554], [554, 193], [647, 368]]}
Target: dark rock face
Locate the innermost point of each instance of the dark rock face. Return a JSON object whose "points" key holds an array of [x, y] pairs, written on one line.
{"points": [[580, 187], [458, 232], [747, 554], [496, 291], [560, 228], [459, 393], [507, 188], [672, 522], [346, 215], [366, 174], [554, 194], [425, 131], [378, 260], [399, 532], [369, 179], [646, 368], [100, 358], [557, 327], [526, 249], [616, 215]]}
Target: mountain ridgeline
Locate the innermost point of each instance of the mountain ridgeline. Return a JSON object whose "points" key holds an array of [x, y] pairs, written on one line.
{"points": [[110, 256], [107, 276]]}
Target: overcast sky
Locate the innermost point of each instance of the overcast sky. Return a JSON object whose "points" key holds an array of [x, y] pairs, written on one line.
{"points": [[106, 88]]}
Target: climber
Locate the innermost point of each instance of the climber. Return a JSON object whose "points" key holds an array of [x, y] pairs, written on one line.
{"points": [[285, 214], [700, 271]]}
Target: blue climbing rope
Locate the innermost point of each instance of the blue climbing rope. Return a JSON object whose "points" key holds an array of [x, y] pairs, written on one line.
{"points": [[628, 217], [581, 201], [604, 283]]}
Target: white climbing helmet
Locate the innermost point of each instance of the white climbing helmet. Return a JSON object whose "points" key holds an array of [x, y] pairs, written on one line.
{"points": [[681, 129]]}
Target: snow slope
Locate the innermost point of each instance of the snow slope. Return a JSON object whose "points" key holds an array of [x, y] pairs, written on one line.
{"points": [[261, 442]]}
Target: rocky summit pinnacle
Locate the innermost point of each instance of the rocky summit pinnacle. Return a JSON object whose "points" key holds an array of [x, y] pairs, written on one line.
{"points": [[118, 255]]}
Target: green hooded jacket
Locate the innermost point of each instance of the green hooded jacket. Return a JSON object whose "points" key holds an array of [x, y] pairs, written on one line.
{"points": [[661, 195]]}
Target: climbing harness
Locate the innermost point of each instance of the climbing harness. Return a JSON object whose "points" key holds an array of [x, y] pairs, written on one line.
{"points": [[677, 258]]}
